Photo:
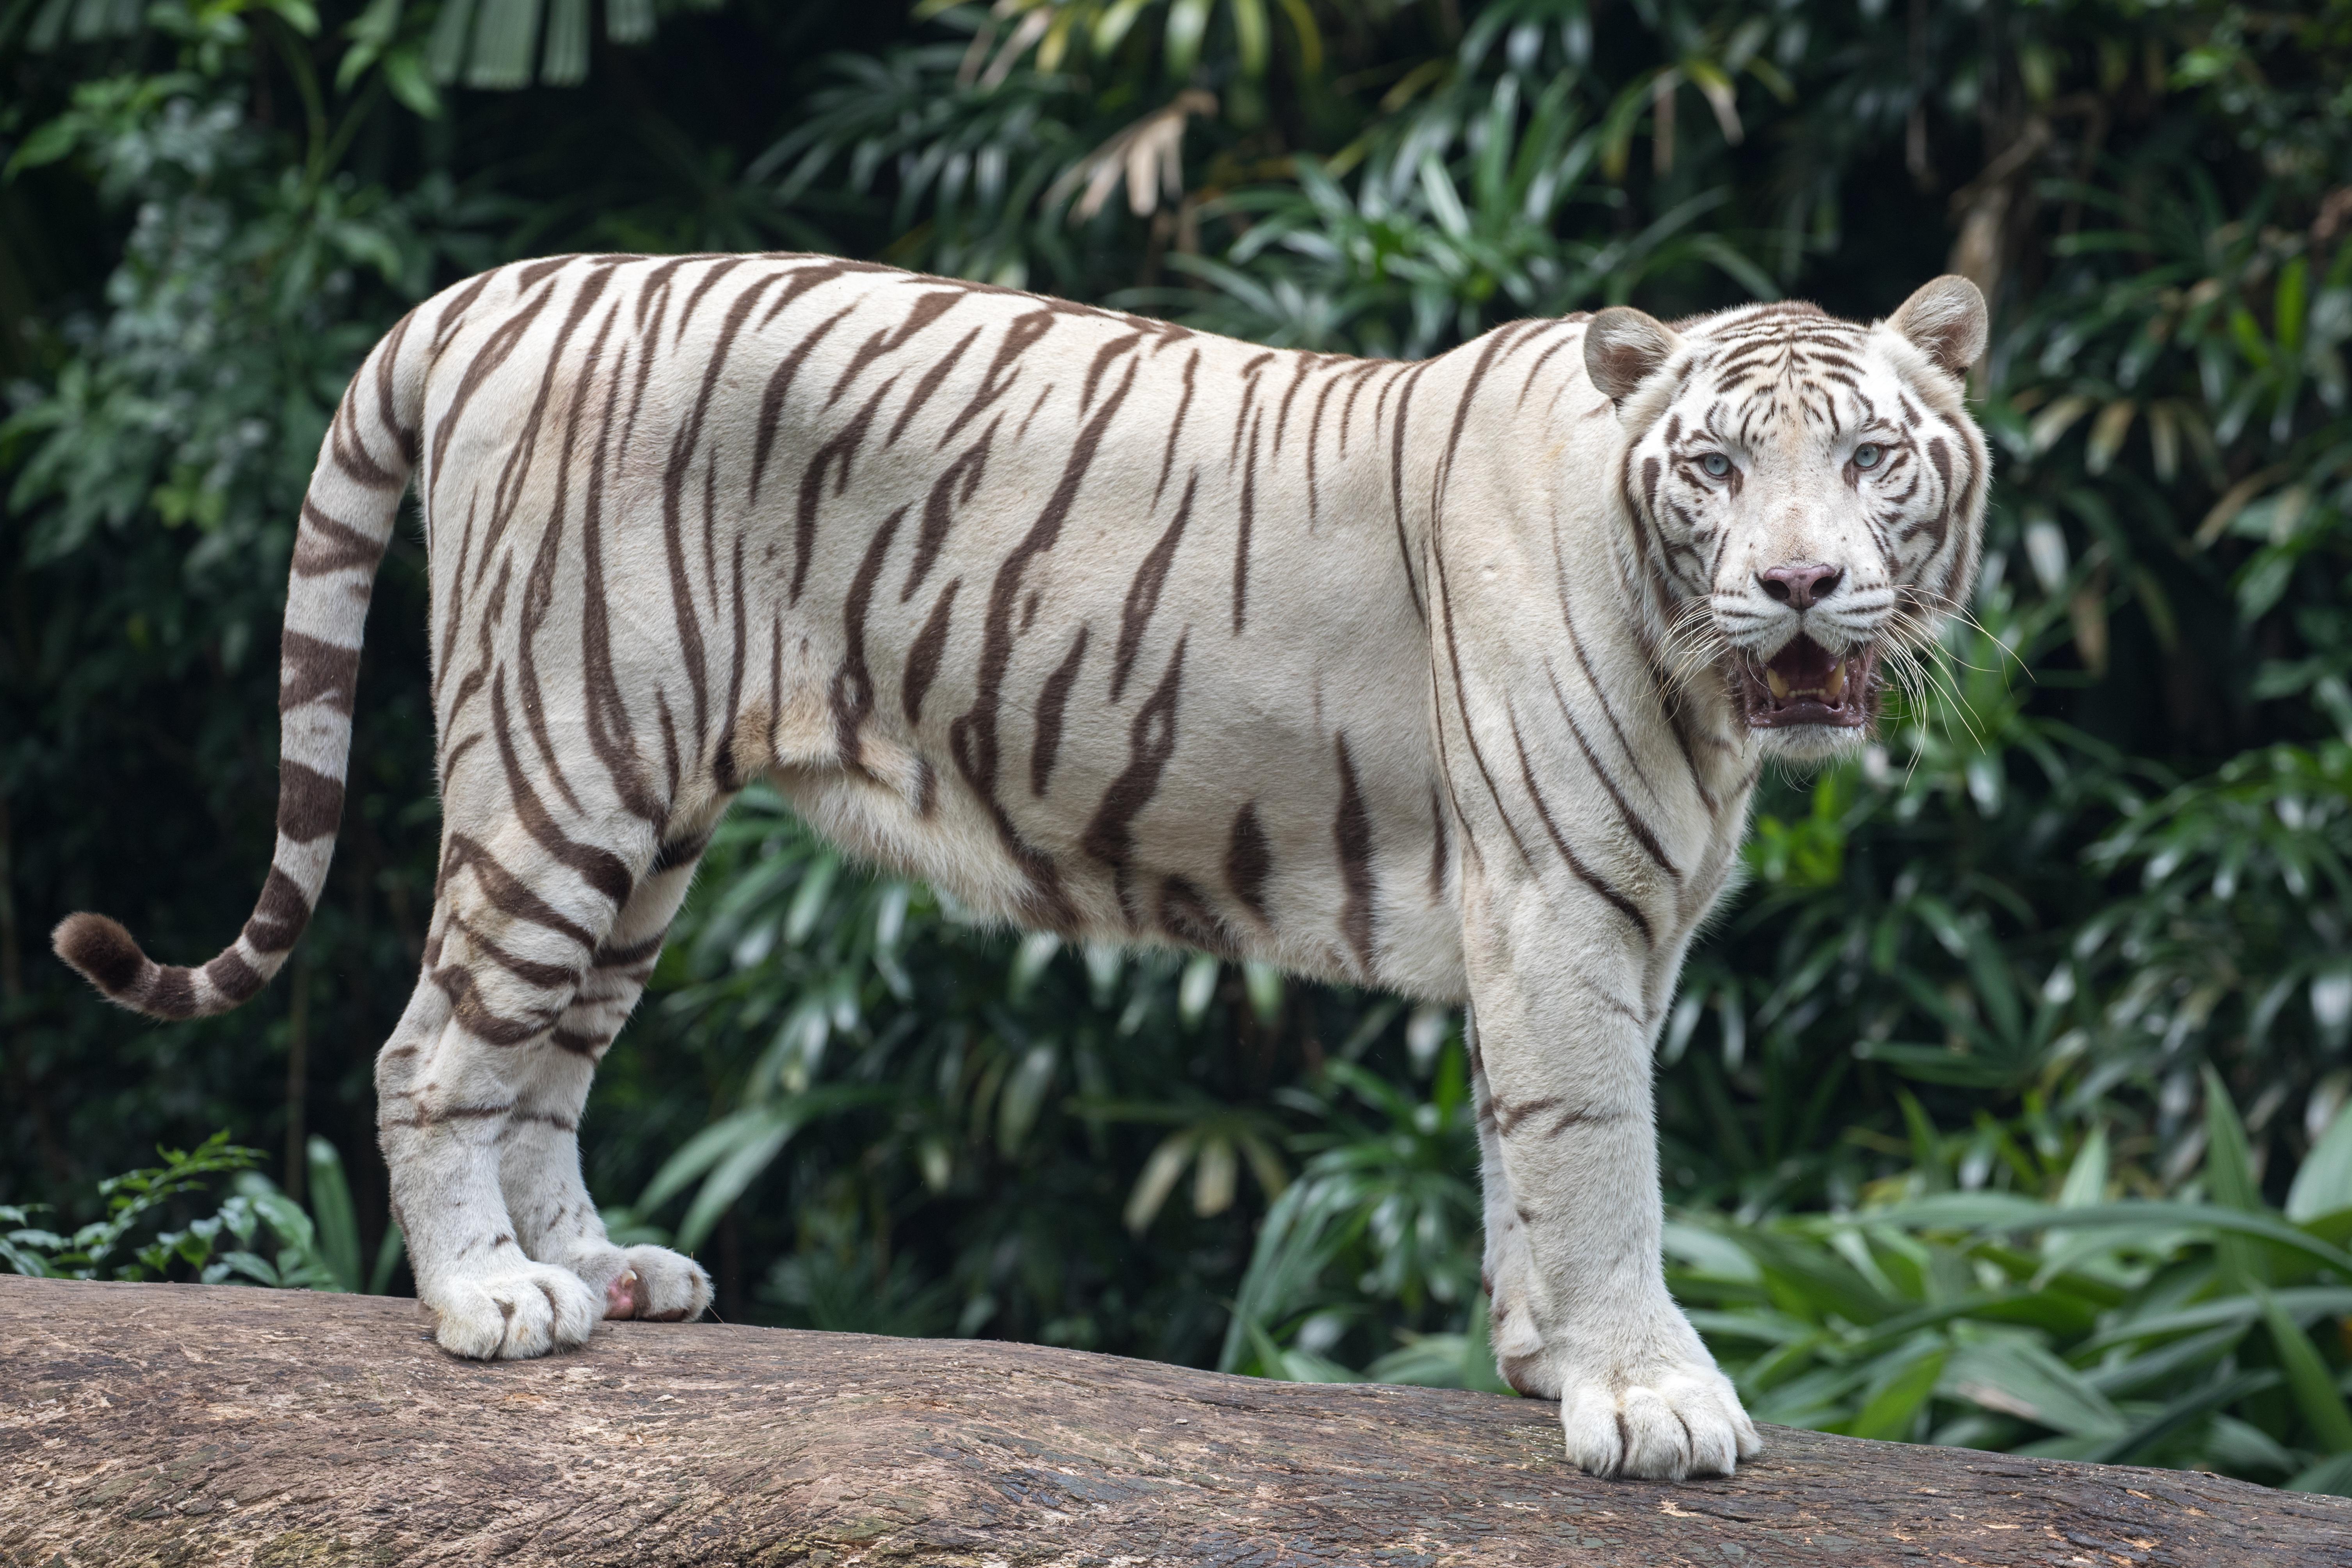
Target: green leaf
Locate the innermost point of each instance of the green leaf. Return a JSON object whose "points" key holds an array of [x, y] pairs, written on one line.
{"points": [[1264, 983], [1709, 1252], [1109, 29], [2018, 1378], [2228, 1166], [2302, 1302], [2308, 1378], [2229, 1169], [726, 1139], [330, 1208], [1024, 1091], [1196, 990], [2332, 1474], [249, 1264], [2323, 1184], [1188, 20], [564, 60], [754, 1150], [405, 74], [49, 142], [2131, 1220], [501, 47], [1159, 1178], [1894, 1408], [387, 1258], [2175, 1417], [446, 52], [1250, 36], [298, 15], [1029, 960], [2086, 1178], [20, 1252], [629, 21], [2288, 302]]}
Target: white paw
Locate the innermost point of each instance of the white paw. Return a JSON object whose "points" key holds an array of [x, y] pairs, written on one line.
{"points": [[658, 1286], [515, 1313], [1672, 1422], [1519, 1350]]}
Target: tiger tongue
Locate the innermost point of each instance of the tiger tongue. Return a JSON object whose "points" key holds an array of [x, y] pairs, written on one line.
{"points": [[1804, 666]]}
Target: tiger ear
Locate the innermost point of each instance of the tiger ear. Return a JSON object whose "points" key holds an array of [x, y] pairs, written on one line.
{"points": [[1946, 320], [1623, 348]]}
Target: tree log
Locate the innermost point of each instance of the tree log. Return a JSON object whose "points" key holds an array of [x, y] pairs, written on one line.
{"points": [[163, 1424]]}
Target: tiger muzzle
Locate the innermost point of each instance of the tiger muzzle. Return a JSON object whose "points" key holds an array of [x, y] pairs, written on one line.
{"points": [[1805, 683]]}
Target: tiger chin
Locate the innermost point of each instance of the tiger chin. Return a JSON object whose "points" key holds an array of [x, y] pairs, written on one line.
{"points": [[1452, 677]]}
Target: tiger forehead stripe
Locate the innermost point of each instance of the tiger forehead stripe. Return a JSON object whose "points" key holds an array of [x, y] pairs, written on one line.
{"points": [[1442, 677]]}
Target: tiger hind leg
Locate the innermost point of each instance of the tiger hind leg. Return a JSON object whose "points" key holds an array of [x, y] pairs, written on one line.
{"points": [[515, 926], [539, 1166]]}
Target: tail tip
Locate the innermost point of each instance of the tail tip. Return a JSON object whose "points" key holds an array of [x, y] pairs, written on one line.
{"points": [[101, 951]]}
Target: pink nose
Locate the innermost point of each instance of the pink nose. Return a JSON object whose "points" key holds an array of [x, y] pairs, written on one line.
{"points": [[1801, 584]]}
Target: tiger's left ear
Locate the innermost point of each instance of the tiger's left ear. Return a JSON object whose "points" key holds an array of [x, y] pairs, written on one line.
{"points": [[1944, 319]]}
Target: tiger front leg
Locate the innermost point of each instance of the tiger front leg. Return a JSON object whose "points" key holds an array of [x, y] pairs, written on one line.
{"points": [[1581, 1312]]}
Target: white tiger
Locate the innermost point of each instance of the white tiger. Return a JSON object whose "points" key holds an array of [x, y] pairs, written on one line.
{"points": [[1451, 677]]}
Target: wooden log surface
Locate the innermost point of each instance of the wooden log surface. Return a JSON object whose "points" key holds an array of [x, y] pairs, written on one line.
{"points": [[184, 1424]]}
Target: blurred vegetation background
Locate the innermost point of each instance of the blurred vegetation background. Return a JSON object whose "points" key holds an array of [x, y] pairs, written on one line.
{"points": [[2005, 1106]]}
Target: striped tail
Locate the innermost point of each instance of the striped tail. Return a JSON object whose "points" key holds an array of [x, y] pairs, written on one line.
{"points": [[347, 519]]}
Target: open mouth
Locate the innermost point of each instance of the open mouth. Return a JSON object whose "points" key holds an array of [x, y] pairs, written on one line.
{"points": [[1804, 683]]}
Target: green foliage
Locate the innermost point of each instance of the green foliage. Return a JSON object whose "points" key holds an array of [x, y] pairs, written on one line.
{"points": [[2038, 1316], [313, 1253], [1380, 1211]]}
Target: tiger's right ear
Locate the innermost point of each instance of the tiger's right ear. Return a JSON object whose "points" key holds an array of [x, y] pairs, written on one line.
{"points": [[1623, 348]]}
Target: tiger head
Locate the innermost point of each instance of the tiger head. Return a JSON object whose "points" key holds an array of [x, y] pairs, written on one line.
{"points": [[1807, 493]]}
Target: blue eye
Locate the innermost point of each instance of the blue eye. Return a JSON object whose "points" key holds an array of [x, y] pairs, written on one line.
{"points": [[1867, 455], [1715, 463]]}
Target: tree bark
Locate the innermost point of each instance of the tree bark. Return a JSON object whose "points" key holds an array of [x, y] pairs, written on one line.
{"points": [[155, 1424]]}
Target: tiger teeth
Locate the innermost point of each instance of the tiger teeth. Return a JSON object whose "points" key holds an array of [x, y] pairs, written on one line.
{"points": [[1835, 685], [1779, 687]]}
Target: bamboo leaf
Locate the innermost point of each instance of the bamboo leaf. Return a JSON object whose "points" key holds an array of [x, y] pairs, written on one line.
{"points": [[330, 1207], [1894, 1408], [2308, 1378], [2228, 1167], [753, 1152], [2021, 1379], [1250, 36], [2323, 1184], [503, 35], [564, 62], [1024, 1092], [1214, 1177], [1158, 1179], [1188, 20], [2008, 1212], [2154, 1430], [2332, 1474], [628, 21]]}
